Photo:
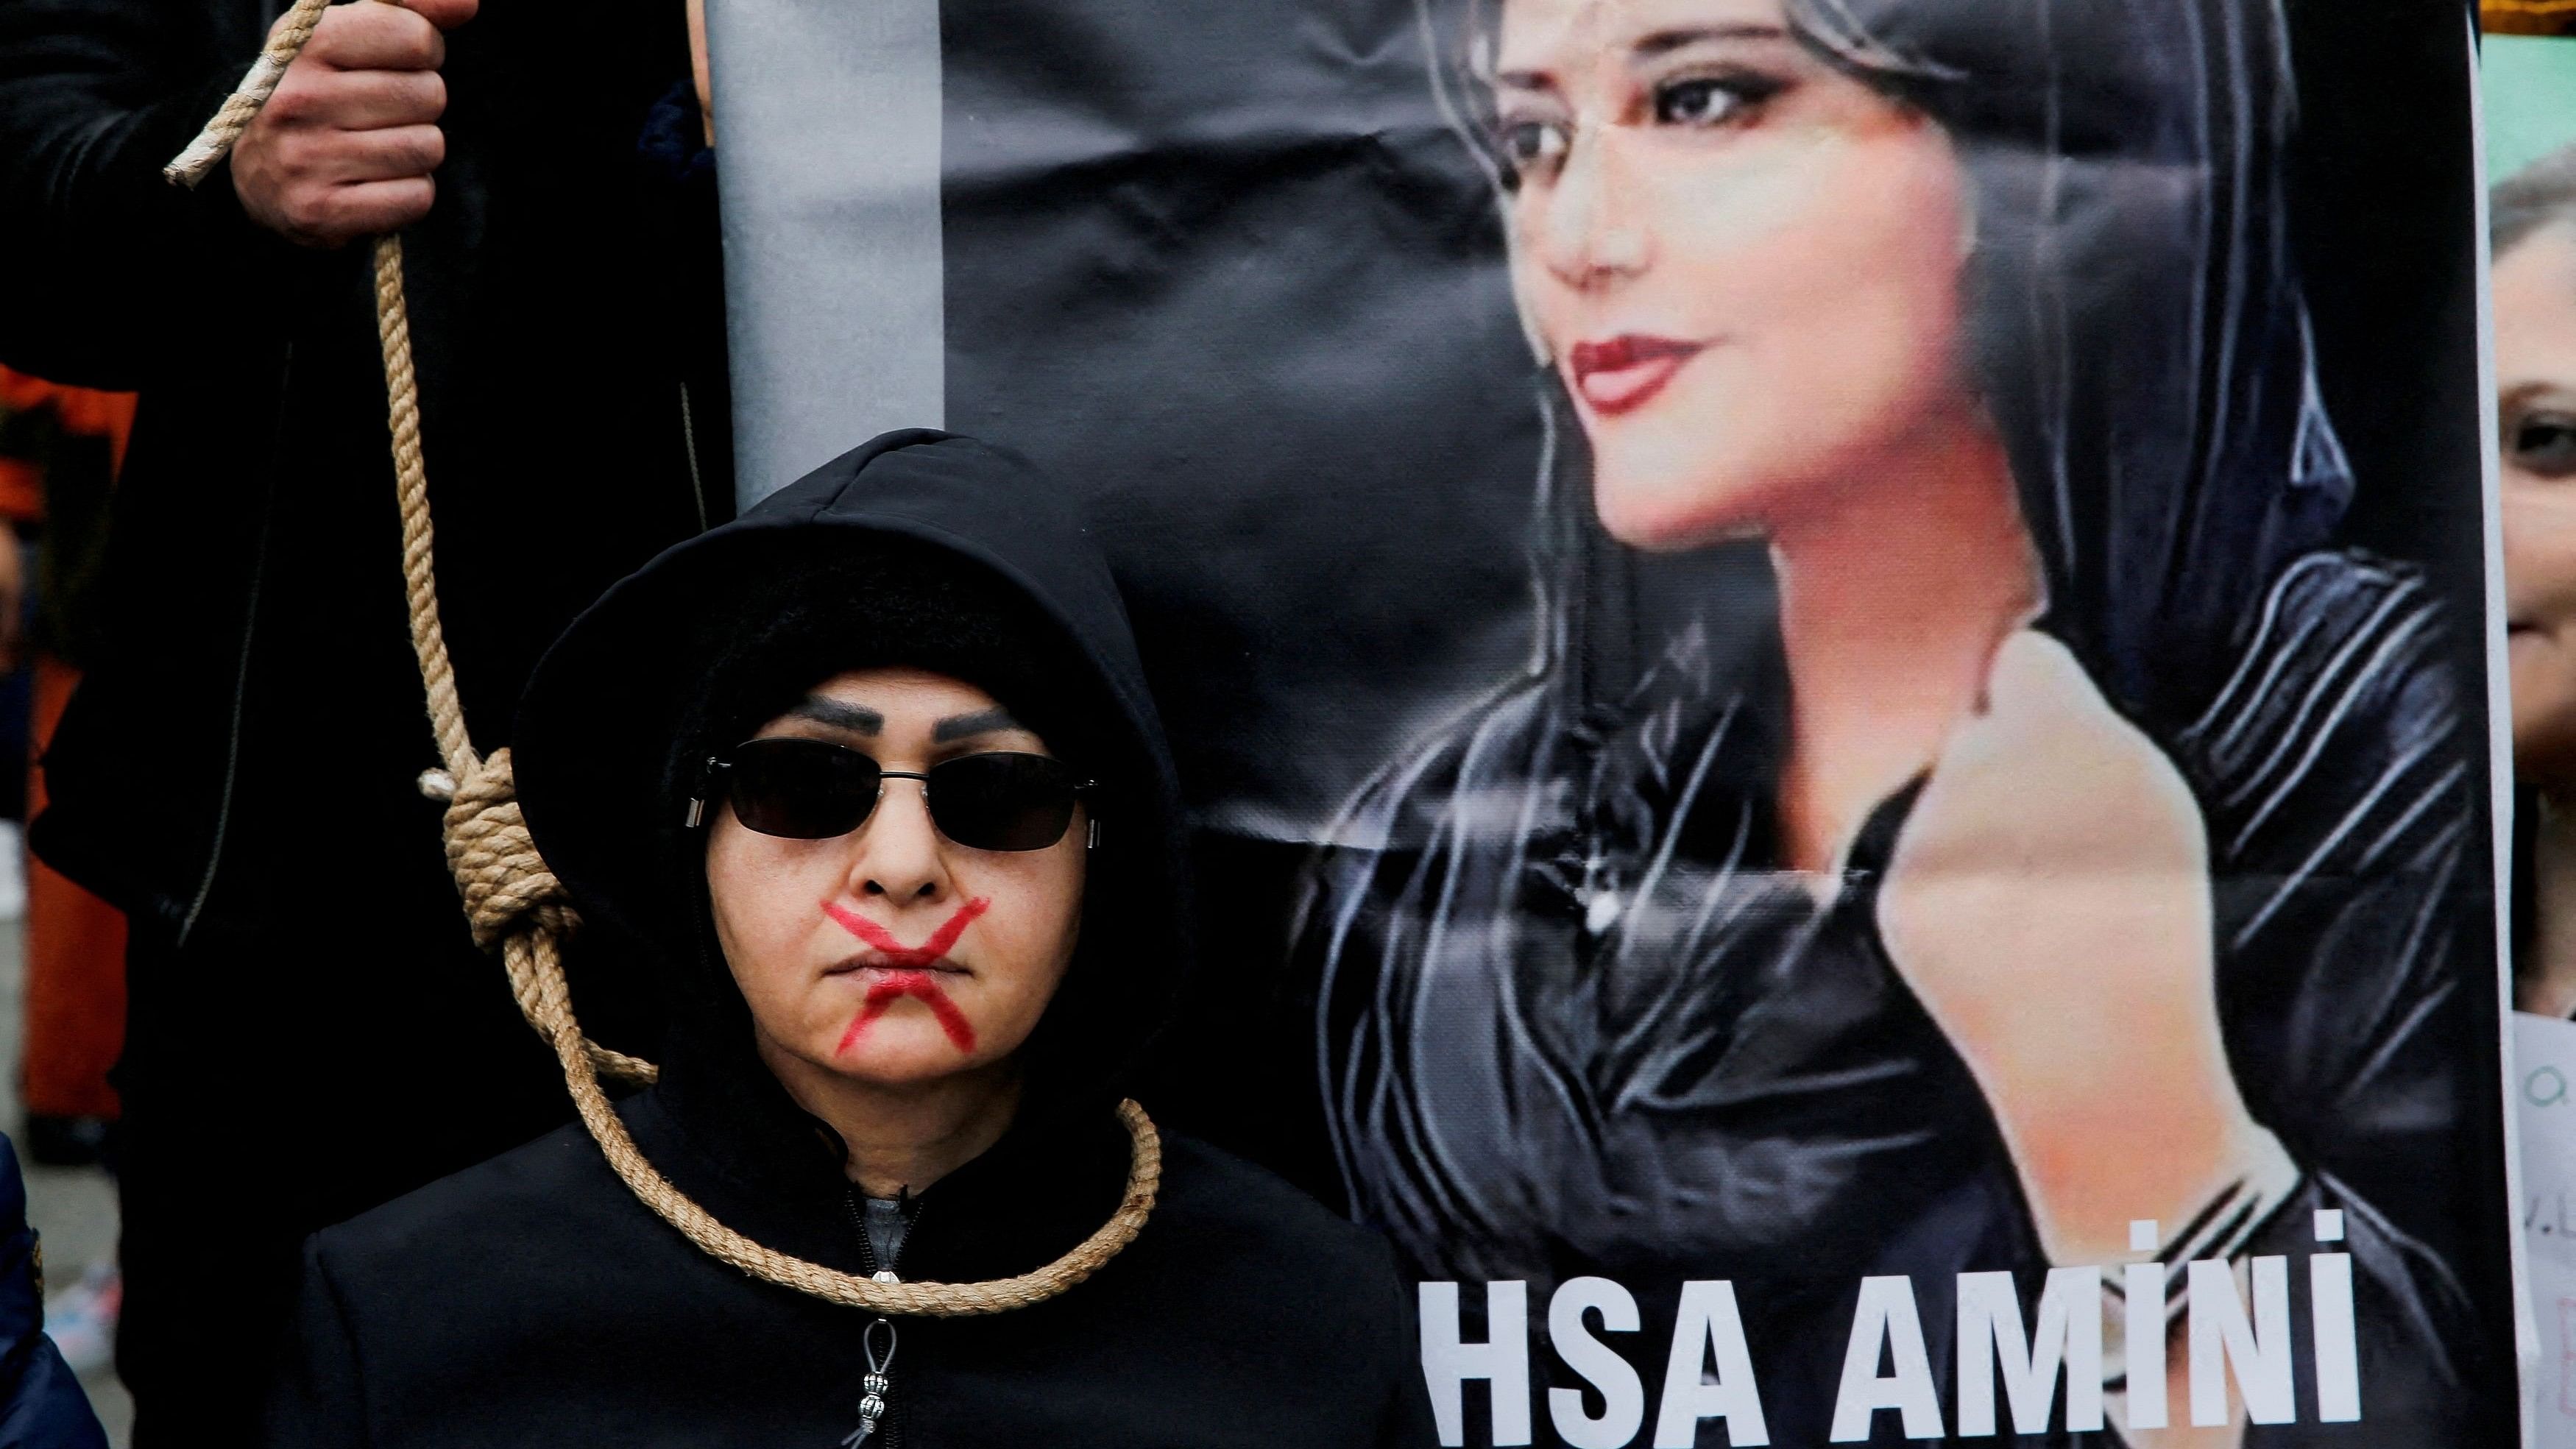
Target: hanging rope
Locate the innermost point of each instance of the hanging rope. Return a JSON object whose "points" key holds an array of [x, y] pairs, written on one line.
{"points": [[191, 165], [512, 899]]}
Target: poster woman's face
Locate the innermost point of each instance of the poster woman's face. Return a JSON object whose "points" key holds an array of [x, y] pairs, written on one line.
{"points": [[893, 954], [2535, 340], [1744, 263]]}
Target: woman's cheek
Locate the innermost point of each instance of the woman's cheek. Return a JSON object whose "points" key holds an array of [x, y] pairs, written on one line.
{"points": [[2543, 682], [2539, 518], [765, 923], [1039, 906], [1536, 296], [1028, 957], [1740, 214]]}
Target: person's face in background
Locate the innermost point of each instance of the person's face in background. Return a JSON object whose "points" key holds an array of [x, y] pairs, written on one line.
{"points": [[1745, 264], [893, 954], [2535, 340]]}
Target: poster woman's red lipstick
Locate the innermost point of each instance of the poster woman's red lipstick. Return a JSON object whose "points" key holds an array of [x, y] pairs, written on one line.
{"points": [[1625, 372]]}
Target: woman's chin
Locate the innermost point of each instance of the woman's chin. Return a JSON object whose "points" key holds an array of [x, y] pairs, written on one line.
{"points": [[1667, 512], [897, 1061]]}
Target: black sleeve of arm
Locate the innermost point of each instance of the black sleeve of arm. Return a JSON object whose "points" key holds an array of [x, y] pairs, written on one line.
{"points": [[41, 1404], [107, 263], [1406, 1422], [317, 1399], [2359, 962], [2425, 1374]]}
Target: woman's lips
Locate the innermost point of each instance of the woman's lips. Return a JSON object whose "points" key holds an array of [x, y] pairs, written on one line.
{"points": [[879, 964], [886, 952], [1625, 372], [921, 986]]}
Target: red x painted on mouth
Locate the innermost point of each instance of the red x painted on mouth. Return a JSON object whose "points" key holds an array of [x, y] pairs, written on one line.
{"points": [[921, 986], [907, 972], [898, 954]]}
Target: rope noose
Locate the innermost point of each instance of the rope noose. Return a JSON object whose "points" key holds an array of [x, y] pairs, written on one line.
{"points": [[512, 899]]}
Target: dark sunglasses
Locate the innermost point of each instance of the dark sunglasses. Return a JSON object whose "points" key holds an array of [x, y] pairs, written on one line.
{"points": [[815, 790]]}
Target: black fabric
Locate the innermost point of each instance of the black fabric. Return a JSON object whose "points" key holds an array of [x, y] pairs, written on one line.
{"points": [[320, 1012], [95, 95], [532, 1300], [885, 1220]]}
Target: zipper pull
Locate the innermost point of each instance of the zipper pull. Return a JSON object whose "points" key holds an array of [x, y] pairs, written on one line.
{"points": [[872, 1404]]}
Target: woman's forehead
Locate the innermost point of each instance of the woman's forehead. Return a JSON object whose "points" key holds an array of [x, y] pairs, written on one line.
{"points": [[1552, 34], [2535, 305], [905, 696]]}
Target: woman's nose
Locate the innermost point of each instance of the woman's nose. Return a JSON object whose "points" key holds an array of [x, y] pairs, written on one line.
{"points": [[1588, 234], [900, 859]]}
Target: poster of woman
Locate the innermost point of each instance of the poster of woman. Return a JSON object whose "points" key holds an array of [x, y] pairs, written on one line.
{"points": [[2084, 876], [1833, 655]]}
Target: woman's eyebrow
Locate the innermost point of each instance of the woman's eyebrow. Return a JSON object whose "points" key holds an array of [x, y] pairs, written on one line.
{"points": [[2529, 390], [833, 712], [981, 722]]}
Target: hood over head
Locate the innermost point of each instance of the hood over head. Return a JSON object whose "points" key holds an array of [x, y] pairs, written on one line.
{"points": [[2137, 323], [920, 549]]}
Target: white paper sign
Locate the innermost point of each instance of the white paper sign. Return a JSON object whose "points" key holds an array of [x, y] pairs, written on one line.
{"points": [[833, 290], [2545, 1050]]}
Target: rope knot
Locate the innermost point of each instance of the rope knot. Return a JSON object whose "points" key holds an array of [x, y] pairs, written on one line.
{"points": [[498, 871]]}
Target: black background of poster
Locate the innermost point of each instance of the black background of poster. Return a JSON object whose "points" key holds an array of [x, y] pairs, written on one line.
{"points": [[1228, 271], [1225, 269]]}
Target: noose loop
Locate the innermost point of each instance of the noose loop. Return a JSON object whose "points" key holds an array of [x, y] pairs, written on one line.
{"points": [[512, 898]]}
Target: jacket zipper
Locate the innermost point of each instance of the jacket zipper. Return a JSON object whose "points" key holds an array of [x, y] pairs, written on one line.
{"points": [[689, 444], [889, 1433]]}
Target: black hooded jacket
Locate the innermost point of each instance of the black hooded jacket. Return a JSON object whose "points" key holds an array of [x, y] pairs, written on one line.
{"points": [[533, 1300]]}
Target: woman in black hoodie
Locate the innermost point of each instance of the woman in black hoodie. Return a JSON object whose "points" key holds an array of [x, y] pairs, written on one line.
{"points": [[873, 774]]}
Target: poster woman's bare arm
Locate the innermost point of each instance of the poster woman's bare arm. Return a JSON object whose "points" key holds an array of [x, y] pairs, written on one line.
{"points": [[2049, 902]]}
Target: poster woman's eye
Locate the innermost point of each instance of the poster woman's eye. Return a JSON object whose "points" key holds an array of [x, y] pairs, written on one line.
{"points": [[2544, 444], [1533, 145], [1709, 100]]}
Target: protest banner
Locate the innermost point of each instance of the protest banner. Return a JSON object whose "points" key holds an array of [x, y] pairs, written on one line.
{"points": [[1833, 655]]}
